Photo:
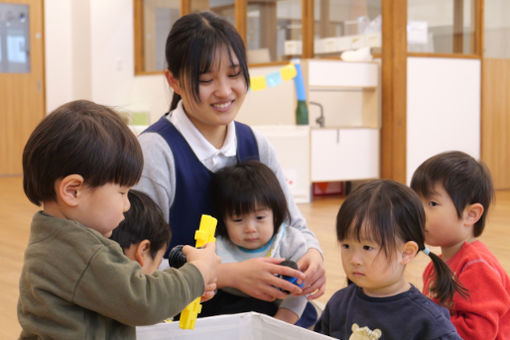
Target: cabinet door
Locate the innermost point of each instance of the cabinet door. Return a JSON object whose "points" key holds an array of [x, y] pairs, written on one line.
{"points": [[292, 146], [344, 154]]}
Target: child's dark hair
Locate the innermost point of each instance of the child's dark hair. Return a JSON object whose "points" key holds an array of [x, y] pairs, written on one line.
{"points": [[239, 189], [386, 212], [143, 221], [466, 181], [83, 138], [191, 46]]}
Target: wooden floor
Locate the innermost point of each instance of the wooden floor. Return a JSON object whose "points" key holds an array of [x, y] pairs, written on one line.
{"points": [[16, 213]]}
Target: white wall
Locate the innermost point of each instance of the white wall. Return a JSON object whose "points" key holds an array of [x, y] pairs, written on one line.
{"points": [[58, 52], [271, 106], [81, 53], [443, 108], [89, 55]]}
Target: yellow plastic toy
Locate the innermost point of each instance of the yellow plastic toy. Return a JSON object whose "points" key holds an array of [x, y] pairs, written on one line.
{"points": [[203, 235]]}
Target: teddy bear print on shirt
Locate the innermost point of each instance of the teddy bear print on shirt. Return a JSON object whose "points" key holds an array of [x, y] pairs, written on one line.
{"points": [[364, 333]]}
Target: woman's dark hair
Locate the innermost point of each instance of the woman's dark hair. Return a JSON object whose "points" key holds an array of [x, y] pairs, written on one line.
{"points": [[466, 181], [143, 221], [387, 212], [83, 138], [241, 188], [191, 46]]}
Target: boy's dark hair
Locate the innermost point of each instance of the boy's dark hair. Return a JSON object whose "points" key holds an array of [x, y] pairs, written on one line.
{"points": [[238, 189], [191, 46], [83, 138], [466, 181], [143, 221], [385, 212]]}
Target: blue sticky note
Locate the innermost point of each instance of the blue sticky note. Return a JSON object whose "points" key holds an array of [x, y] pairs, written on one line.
{"points": [[274, 79]]}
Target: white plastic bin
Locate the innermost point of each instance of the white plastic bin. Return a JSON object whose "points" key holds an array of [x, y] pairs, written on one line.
{"points": [[244, 326]]}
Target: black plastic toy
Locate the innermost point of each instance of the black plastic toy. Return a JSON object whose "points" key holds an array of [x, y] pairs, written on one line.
{"points": [[176, 258], [291, 279]]}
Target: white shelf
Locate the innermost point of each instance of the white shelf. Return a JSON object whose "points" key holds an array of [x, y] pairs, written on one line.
{"points": [[344, 154], [338, 73], [292, 146], [347, 148]]}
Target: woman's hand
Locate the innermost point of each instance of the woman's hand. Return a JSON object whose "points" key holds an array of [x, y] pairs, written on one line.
{"points": [[315, 275], [256, 277]]}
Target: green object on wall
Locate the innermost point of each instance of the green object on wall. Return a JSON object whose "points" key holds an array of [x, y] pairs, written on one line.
{"points": [[139, 118], [301, 113]]}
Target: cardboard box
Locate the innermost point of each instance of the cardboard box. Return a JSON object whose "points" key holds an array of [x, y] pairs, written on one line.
{"points": [[244, 326]]}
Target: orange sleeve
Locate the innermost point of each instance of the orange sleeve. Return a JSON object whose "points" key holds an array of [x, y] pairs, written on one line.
{"points": [[478, 316]]}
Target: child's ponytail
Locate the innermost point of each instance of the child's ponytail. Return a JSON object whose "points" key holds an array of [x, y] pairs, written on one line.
{"points": [[444, 283]]}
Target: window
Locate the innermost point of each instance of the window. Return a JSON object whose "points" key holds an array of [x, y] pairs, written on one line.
{"points": [[224, 8], [442, 26], [344, 25], [14, 39], [274, 30], [497, 29], [153, 19], [279, 30]]}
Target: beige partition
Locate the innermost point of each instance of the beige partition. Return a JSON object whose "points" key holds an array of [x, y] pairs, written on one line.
{"points": [[496, 120]]}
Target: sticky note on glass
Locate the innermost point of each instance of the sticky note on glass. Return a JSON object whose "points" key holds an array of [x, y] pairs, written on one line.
{"points": [[139, 118], [274, 79], [288, 72], [258, 83]]}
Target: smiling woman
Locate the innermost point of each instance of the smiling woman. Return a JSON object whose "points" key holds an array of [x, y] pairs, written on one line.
{"points": [[222, 88], [207, 69]]}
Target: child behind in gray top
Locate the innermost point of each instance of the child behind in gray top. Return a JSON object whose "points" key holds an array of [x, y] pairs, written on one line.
{"points": [[144, 234], [252, 222]]}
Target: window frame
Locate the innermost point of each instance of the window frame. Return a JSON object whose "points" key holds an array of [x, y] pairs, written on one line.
{"points": [[307, 20]]}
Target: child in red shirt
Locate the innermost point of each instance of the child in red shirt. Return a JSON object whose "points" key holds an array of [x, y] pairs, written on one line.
{"points": [[456, 191]]}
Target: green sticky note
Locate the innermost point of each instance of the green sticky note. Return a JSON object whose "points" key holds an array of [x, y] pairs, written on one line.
{"points": [[139, 118]]}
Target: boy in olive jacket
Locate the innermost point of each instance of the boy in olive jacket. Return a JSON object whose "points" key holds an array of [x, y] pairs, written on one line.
{"points": [[79, 163]]}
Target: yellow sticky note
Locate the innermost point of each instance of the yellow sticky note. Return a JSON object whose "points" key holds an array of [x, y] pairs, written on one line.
{"points": [[258, 83], [288, 72]]}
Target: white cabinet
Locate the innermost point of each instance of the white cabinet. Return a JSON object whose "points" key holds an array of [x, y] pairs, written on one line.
{"points": [[292, 146], [347, 147], [339, 73], [347, 92], [344, 154], [309, 155]]}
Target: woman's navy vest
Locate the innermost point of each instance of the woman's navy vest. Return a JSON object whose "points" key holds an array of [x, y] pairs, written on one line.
{"points": [[192, 188]]}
